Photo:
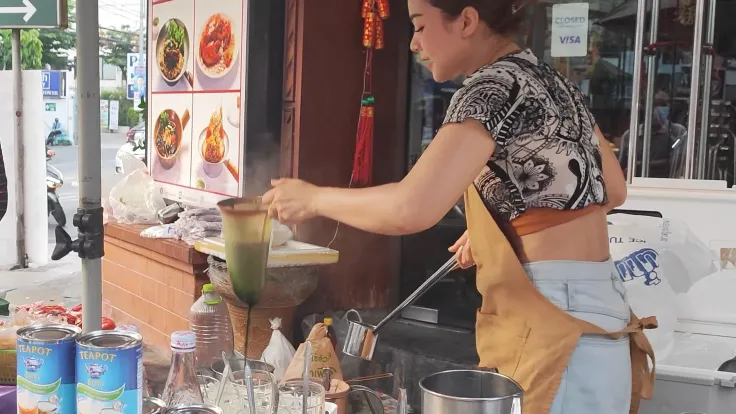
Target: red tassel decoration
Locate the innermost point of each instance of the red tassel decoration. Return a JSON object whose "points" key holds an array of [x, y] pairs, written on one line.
{"points": [[383, 10], [363, 161], [366, 8], [369, 30], [379, 34]]}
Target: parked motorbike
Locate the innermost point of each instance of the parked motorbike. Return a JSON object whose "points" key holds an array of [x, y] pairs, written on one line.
{"points": [[54, 181]]}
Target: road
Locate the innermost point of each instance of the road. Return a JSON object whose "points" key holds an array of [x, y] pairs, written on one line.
{"points": [[66, 160]]}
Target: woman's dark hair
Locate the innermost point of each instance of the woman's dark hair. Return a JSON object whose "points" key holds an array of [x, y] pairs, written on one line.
{"points": [[504, 17]]}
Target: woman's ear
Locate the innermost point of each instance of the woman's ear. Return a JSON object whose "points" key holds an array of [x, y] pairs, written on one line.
{"points": [[470, 19]]}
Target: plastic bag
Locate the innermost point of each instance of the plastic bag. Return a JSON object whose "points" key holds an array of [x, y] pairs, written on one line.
{"points": [[323, 355], [134, 200], [651, 256], [279, 351]]}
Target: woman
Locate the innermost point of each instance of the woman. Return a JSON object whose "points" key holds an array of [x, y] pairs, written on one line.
{"points": [[519, 143]]}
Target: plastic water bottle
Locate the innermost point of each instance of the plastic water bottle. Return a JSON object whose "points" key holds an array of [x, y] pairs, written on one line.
{"points": [[182, 386], [209, 319], [146, 386]]}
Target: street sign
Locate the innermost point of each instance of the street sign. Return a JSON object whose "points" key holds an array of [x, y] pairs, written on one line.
{"points": [[53, 83], [30, 14]]}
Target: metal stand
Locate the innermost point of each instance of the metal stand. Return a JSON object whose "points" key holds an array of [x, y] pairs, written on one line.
{"points": [[88, 219]]}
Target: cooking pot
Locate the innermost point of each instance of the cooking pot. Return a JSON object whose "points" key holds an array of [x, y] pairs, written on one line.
{"points": [[470, 392]]}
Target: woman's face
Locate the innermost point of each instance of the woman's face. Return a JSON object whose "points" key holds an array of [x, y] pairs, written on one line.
{"points": [[442, 43]]}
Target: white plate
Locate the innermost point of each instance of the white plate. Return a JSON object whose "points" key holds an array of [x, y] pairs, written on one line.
{"points": [[236, 36]]}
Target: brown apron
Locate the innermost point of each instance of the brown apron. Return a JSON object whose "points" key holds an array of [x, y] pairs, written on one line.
{"points": [[524, 335]]}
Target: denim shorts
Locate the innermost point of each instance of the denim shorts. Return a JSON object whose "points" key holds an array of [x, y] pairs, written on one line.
{"points": [[598, 375]]}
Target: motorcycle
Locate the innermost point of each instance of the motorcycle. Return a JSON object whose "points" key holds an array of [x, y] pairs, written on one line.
{"points": [[54, 181]]}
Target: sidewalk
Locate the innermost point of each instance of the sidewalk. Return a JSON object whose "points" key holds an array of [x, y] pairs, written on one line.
{"points": [[56, 282]]}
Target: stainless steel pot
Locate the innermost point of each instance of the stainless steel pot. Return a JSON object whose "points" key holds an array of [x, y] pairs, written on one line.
{"points": [[362, 337], [470, 392]]}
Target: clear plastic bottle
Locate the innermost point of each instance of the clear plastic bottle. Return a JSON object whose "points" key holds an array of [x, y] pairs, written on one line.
{"points": [[146, 386], [182, 386], [209, 319]]}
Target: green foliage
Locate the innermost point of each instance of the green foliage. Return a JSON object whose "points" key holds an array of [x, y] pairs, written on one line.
{"points": [[116, 44], [57, 43], [125, 117], [133, 116], [31, 50]]}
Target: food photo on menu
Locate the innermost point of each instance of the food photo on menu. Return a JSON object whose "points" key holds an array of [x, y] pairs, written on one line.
{"points": [[216, 153], [217, 45], [172, 39], [172, 138]]}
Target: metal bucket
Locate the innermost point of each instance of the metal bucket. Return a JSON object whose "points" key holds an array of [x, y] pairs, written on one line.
{"points": [[470, 392]]}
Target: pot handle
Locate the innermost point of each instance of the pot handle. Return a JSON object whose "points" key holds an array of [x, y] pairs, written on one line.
{"points": [[353, 311], [516, 405]]}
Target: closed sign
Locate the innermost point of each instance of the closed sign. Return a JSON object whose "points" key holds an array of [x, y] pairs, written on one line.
{"points": [[570, 30]]}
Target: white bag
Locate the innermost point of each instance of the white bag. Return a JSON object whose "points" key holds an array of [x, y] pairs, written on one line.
{"points": [[652, 257], [279, 351], [134, 199]]}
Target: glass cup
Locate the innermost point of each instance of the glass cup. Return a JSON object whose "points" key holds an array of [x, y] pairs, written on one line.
{"points": [[235, 396], [246, 228], [291, 397], [209, 386]]}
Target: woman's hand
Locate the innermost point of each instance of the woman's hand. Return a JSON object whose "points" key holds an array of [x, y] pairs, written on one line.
{"points": [[463, 251], [292, 201]]}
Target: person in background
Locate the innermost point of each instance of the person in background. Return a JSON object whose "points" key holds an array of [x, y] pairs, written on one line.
{"points": [[55, 132], [520, 145], [141, 86]]}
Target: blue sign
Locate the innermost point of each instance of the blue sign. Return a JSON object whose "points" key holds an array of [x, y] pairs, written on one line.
{"points": [[53, 83]]}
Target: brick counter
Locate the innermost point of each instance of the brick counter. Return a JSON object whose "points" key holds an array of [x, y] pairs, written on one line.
{"points": [[150, 283]]}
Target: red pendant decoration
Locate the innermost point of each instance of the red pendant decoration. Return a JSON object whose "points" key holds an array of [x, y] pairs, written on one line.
{"points": [[363, 161], [373, 13]]}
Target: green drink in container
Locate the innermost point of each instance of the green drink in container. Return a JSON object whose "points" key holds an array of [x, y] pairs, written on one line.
{"points": [[246, 228]]}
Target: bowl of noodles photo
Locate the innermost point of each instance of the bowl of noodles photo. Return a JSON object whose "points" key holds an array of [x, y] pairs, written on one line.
{"points": [[168, 133], [172, 51], [217, 49], [214, 146]]}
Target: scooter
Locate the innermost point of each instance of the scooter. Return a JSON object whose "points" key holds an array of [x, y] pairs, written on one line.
{"points": [[54, 181]]}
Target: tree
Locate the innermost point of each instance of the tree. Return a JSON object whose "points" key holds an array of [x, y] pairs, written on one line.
{"points": [[31, 50], [57, 43], [116, 44]]}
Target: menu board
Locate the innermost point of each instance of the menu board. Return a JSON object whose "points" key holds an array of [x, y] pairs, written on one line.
{"points": [[197, 72]]}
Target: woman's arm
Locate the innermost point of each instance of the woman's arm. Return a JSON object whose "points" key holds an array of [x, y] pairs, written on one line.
{"points": [[613, 175], [449, 165]]}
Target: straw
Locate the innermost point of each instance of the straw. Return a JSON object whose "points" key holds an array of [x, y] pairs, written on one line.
{"points": [[249, 389], [307, 360]]}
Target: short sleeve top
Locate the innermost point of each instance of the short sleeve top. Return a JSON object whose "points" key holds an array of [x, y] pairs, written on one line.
{"points": [[547, 153]]}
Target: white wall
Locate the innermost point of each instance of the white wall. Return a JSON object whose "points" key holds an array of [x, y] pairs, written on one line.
{"points": [[36, 217]]}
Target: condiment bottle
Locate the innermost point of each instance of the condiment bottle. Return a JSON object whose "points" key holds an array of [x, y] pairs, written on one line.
{"points": [[331, 332], [182, 386]]}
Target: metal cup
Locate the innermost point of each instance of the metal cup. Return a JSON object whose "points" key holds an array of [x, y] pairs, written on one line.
{"points": [[360, 341]]}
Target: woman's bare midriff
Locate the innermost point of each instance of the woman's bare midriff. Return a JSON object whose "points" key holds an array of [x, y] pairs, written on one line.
{"points": [[582, 239]]}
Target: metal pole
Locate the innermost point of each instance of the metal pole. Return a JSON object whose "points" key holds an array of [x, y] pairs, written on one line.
{"points": [[20, 225], [142, 33], [641, 14], [649, 98], [705, 114], [88, 96], [694, 88]]}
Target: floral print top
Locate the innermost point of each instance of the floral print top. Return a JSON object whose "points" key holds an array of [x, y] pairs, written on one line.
{"points": [[547, 152]]}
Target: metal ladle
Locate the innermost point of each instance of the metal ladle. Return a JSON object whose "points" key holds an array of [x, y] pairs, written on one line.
{"points": [[362, 337]]}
